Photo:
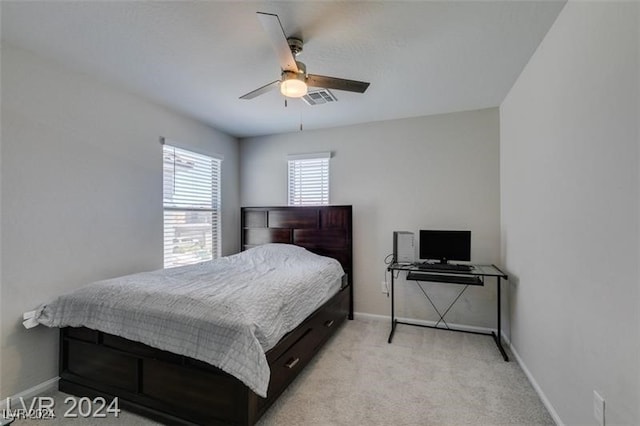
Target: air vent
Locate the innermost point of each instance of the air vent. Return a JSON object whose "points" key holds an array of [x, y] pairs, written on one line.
{"points": [[319, 97]]}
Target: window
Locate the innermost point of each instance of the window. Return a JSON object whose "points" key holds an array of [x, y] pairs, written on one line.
{"points": [[191, 198], [309, 179]]}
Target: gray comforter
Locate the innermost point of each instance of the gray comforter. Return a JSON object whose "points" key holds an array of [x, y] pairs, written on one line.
{"points": [[227, 312]]}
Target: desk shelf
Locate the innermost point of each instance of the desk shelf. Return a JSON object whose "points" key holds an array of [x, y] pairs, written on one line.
{"points": [[442, 278]]}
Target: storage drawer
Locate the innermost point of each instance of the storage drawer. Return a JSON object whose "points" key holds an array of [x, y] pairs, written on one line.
{"points": [[331, 317], [290, 363]]}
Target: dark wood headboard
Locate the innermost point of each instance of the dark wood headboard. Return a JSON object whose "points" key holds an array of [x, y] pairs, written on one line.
{"points": [[325, 230]]}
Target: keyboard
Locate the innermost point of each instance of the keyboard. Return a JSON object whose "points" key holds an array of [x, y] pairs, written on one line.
{"points": [[439, 278], [443, 267]]}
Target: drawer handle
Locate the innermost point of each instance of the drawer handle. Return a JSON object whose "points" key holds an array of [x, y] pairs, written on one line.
{"points": [[328, 324], [292, 363]]}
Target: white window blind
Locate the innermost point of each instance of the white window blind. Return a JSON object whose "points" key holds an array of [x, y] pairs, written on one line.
{"points": [[191, 198], [309, 179]]}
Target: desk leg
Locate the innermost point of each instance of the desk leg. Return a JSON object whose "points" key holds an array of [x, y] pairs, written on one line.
{"points": [[393, 314], [498, 338]]}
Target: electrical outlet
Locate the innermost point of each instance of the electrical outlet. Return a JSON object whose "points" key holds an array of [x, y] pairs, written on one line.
{"points": [[598, 408], [384, 287]]}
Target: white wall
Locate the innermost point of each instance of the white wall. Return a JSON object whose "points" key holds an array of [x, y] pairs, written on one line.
{"points": [[437, 172], [1, 291], [81, 195], [570, 216]]}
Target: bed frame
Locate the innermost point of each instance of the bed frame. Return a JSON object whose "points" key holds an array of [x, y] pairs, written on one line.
{"points": [[179, 390]]}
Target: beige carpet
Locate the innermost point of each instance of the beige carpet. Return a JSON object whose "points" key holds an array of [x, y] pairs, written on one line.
{"points": [[425, 377]]}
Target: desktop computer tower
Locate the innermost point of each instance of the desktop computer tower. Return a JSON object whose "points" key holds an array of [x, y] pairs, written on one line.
{"points": [[404, 250]]}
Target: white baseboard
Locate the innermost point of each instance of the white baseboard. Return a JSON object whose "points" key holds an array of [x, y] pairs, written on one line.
{"points": [[31, 392], [464, 327], [552, 411], [364, 315]]}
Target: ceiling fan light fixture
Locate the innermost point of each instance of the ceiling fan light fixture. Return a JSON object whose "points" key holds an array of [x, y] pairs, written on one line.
{"points": [[293, 85]]}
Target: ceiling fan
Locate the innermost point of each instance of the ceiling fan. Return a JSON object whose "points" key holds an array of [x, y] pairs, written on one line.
{"points": [[294, 80]]}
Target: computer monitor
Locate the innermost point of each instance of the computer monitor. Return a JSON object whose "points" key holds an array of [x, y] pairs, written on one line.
{"points": [[445, 245]]}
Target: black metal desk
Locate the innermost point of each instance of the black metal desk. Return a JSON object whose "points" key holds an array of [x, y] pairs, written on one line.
{"points": [[475, 276]]}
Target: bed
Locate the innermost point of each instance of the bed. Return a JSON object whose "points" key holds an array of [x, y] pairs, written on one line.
{"points": [[178, 389]]}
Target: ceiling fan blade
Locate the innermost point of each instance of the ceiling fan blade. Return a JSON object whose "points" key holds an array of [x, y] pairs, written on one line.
{"points": [[261, 90], [337, 83], [273, 27]]}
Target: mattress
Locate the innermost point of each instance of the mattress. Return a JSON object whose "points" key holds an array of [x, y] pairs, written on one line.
{"points": [[227, 312]]}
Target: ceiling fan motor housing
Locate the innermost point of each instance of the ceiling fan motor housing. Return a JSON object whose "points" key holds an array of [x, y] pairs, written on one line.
{"points": [[302, 68], [295, 44]]}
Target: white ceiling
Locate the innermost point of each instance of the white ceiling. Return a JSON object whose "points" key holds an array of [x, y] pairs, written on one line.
{"points": [[198, 57]]}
